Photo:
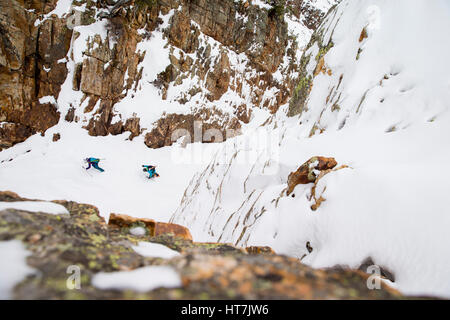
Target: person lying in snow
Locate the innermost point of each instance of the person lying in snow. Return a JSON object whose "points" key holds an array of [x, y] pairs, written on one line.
{"points": [[94, 162], [151, 171]]}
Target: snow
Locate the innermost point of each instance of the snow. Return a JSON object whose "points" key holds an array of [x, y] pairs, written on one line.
{"points": [[47, 99], [62, 7], [52, 171], [155, 250], [391, 204], [13, 268], [35, 206], [138, 231], [261, 4], [391, 129], [141, 279]]}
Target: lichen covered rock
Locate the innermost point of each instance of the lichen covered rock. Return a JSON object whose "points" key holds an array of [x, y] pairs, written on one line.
{"points": [[207, 270]]}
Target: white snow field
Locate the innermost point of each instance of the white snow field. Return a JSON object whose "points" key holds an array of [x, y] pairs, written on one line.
{"points": [[35, 206], [142, 279], [13, 267]]}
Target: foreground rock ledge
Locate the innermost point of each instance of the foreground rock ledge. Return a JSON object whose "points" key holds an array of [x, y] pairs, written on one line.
{"points": [[207, 270]]}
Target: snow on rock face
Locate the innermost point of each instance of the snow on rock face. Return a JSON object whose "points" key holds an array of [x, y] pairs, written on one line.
{"points": [[383, 112], [138, 231], [13, 267], [374, 64], [155, 250], [141, 280], [35, 206]]}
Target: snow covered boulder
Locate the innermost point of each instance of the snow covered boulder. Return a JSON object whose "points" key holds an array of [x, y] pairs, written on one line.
{"points": [[308, 172]]}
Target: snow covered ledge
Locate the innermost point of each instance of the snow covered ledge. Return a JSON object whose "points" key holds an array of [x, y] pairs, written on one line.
{"points": [[13, 267]]}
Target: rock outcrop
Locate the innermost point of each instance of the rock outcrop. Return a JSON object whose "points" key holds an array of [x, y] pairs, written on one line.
{"points": [[152, 227], [309, 171], [215, 48], [207, 270], [30, 68]]}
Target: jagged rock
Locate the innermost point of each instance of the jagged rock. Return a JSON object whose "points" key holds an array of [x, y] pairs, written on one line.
{"points": [[309, 171], [26, 52], [124, 221], [9, 196], [259, 250], [12, 133], [196, 127], [162, 228], [154, 229], [207, 270], [70, 116]]}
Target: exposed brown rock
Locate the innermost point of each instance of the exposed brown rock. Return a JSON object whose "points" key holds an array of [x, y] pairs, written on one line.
{"points": [[31, 67], [207, 270], [218, 80], [259, 250], [363, 35], [305, 173], [124, 221], [133, 126], [319, 199], [176, 230], [12, 133], [70, 116], [56, 137]]}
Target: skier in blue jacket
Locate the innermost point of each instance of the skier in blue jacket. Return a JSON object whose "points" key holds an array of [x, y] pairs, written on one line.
{"points": [[94, 162], [151, 171]]}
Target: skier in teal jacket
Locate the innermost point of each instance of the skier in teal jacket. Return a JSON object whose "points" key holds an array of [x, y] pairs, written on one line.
{"points": [[151, 170], [94, 162]]}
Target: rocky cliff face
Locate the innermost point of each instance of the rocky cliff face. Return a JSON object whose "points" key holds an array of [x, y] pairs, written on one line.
{"points": [[26, 52], [94, 62], [368, 108]]}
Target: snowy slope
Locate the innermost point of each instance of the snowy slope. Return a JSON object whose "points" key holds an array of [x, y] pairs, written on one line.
{"points": [[42, 169], [379, 105], [390, 127]]}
